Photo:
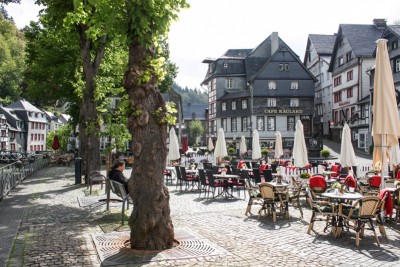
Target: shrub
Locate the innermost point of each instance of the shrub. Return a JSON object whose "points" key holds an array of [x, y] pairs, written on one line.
{"points": [[325, 153], [231, 150], [264, 151], [305, 175]]}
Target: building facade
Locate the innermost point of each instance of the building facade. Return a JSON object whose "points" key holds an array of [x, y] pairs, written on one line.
{"points": [[266, 88], [317, 58]]}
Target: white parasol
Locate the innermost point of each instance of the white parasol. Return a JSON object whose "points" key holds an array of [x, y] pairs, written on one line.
{"points": [[278, 145], [210, 144], [347, 155], [299, 147], [256, 153], [220, 147], [173, 146], [242, 146]]}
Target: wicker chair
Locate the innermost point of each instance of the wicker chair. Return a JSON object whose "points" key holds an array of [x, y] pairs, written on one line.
{"points": [[361, 213], [255, 197], [273, 200], [321, 211], [396, 205]]}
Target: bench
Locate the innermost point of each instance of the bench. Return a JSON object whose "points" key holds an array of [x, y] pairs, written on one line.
{"points": [[119, 190]]}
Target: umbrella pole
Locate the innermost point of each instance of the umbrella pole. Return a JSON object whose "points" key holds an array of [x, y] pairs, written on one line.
{"points": [[383, 161]]}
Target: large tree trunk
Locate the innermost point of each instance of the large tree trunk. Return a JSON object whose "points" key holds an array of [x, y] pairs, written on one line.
{"points": [[89, 127], [150, 222]]}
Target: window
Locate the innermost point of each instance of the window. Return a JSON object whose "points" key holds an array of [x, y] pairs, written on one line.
{"points": [[284, 67], [336, 116], [337, 81], [398, 65], [271, 85], [353, 114], [394, 45], [290, 123], [294, 102], [31, 137], [294, 85], [223, 106], [233, 105], [223, 124], [3, 132], [244, 104], [270, 123], [32, 125], [340, 61], [234, 124], [349, 92], [244, 124], [337, 97], [350, 75], [229, 83], [260, 123], [271, 102], [225, 65], [349, 56]]}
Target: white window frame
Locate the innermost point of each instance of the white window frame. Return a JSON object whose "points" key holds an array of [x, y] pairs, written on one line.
{"points": [[398, 65], [244, 104], [271, 123], [223, 106], [229, 83], [272, 85], [294, 85], [294, 102], [233, 105], [271, 102]]}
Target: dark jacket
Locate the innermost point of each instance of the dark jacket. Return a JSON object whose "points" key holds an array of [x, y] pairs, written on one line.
{"points": [[118, 176]]}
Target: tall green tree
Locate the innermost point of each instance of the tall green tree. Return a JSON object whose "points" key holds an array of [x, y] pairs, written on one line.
{"points": [[12, 45], [196, 130]]}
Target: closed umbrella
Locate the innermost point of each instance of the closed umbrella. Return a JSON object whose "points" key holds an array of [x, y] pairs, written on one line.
{"points": [[299, 147], [220, 147], [173, 146], [210, 144], [386, 125], [395, 155], [256, 153], [56, 143], [347, 155], [242, 146], [278, 145], [185, 146]]}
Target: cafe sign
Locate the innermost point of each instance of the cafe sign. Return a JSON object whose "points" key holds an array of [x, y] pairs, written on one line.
{"points": [[282, 111]]}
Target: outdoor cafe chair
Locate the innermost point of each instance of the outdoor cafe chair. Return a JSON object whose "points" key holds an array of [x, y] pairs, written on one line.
{"points": [[268, 175], [189, 180], [215, 184], [361, 214], [256, 175], [396, 206], [317, 185], [275, 201], [255, 197], [179, 180], [295, 193], [321, 211], [204, 184]]}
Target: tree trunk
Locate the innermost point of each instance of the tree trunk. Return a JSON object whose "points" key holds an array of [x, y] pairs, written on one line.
{"points": [[150, 222], [89, 127]]}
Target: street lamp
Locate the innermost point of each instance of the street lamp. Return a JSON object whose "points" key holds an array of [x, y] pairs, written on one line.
{"points": [[251, 136]]}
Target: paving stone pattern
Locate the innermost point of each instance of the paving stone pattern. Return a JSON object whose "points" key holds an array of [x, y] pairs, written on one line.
{"points": [[53, 229]]}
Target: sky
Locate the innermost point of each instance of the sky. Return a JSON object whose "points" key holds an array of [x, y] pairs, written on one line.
{"points": [[210, 27]]}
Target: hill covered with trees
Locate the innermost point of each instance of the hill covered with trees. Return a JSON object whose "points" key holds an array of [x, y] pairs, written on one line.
{"points": [[191, 95]]}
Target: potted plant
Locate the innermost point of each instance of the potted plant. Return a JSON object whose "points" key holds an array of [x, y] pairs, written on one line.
{"points": [[305, 175], [265, 152], [231, 150], [227, 159], [325, 153]]}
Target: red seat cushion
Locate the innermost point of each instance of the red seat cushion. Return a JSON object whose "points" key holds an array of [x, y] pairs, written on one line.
{"points": [[336, 169], [350, 181], [317, 181], [375, 181]]}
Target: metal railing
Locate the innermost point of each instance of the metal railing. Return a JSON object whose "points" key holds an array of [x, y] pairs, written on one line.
{"points": [[13, 174]]}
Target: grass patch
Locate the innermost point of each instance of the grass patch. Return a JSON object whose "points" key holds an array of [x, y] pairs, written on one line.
{"points": [[95, 192], [111, 220]]}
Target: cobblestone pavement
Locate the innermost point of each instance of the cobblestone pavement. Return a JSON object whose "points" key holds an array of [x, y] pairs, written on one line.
{"points": [[55, 230]]}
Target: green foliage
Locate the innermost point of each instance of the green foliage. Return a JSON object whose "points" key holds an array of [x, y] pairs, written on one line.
{"points": [[371, 149], [325, 153], [12, 64], [196, 130], [231, 150], [228, 158], [63, 133], [305, 175], [264, 151], [191, 95]]}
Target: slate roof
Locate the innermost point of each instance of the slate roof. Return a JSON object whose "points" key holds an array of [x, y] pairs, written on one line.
{"points": [[198, 109], [234, 94], [323, 43], [12, 118], [361, 38], [24, 105]]}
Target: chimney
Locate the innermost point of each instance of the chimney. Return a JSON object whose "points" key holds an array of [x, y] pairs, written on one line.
{"points": [[380, 23], [274, 42]]}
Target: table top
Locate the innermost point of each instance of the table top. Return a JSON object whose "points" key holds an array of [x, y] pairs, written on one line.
{"points": [[274, 184], [226, 176], [171, 168], [349, 196]]}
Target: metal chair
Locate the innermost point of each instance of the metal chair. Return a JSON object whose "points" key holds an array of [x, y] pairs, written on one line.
{"points": [[119, 190], [96, 177]]}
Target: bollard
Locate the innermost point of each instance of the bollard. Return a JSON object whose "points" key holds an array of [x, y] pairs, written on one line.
{"points": [[78, 170]]}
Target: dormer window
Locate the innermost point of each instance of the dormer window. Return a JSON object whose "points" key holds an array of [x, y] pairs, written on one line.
{"points": [[340, 61], [349, 56], [229, 83], [284, 67], [223, 106], [271, 85]]}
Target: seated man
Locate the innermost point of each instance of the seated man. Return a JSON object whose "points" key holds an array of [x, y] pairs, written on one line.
{"points": [[117, 175]]}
